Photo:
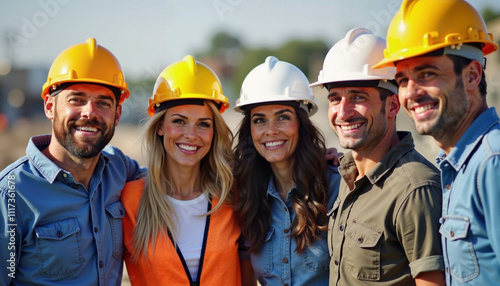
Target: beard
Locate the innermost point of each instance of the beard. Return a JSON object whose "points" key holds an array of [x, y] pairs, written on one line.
{"points": [[372, 135], [82, 148], [449, 120], [368, 140]]}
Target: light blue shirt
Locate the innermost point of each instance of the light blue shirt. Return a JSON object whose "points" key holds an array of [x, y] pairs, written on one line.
{"points": [[470, 225], [277, 263], [53, 230]]}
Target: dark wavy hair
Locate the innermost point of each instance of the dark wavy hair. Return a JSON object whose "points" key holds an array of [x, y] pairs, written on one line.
{"points": [[252, 174]]}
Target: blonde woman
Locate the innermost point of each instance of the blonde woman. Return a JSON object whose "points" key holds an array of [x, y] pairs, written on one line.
{"points": [[180, 228]]}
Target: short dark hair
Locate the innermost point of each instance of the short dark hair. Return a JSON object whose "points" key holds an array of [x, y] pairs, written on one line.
{"points": [[384, 93], [459, 63]]}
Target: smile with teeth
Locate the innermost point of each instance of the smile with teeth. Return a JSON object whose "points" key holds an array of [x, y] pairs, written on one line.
{"points": [[274, 143], [86, 128], [187, 147], [349, 127], [423, 108]]}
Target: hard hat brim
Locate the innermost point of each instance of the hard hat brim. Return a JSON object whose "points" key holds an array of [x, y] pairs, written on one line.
{"points": [[241, 107]]}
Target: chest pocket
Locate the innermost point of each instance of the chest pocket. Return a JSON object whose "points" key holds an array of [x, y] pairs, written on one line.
{"points": [[59, 247], [332, 214], [262, 262], [460, 250], [363, 248], [115, 213], [316, 256]]}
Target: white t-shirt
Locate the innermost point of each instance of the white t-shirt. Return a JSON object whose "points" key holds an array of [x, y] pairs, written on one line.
{"points": [[191, 228]]}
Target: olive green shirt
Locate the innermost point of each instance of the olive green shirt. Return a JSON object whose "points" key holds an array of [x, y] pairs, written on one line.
{"points": [[385, 230]]}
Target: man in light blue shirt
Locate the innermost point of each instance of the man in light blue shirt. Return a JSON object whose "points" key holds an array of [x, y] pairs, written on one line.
{"points": [[440, 70], [60, 204]]}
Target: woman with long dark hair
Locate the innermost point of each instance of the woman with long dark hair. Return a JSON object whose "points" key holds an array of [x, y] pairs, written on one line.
{"points": [[283, 183]]}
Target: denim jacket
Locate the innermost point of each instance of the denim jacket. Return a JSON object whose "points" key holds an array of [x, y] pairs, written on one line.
{"points": [[470, 224], [277, 263]]}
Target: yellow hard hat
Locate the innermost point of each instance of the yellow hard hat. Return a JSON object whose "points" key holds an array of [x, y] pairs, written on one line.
{"points": [[423, 26], [187, 79], [87, 63]]}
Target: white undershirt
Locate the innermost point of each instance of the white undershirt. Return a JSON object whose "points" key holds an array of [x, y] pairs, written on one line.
{"points": [[190, 230]]}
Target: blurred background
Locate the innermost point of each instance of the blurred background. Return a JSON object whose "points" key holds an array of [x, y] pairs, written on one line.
{"points": [[231, 36]]}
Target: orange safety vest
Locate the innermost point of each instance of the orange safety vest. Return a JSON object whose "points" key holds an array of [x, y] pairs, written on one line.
{"points": [[221, 264]]}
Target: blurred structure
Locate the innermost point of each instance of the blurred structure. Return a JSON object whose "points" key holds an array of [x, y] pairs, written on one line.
{"points": [[22, 116], [493, 67], [20, 94]]}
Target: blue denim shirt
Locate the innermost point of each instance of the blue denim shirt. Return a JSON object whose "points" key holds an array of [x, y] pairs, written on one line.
{"points": [[53, 230], [470, 225], [277, 263]]}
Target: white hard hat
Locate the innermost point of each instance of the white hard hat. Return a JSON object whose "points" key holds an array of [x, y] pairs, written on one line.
{"points": [[274, 81], [351, 59]]}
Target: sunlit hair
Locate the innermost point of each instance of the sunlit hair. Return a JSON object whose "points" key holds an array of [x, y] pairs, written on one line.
{"points": [[252, 174], [384, 93], [156, 214], [459, 63]]}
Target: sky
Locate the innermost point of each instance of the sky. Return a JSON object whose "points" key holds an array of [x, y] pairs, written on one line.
{"points": [[148, 35]]}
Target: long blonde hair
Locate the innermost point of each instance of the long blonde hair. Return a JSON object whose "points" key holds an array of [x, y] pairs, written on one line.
{"points": [[156, 214]]}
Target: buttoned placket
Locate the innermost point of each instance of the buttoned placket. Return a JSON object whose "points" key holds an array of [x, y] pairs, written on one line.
{"points": [[339, 228], [447, 178], [95, 181], [285, 245]]}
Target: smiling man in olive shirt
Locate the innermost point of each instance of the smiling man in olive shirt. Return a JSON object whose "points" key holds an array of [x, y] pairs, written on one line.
{"points": [[384, 225]]}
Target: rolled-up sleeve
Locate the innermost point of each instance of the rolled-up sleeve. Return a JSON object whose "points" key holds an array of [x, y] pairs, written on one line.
{"points": [[418, 229]]}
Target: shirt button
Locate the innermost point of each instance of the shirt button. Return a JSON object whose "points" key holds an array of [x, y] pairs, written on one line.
{"points": [[96, 229], [286, 209], [285, 260], [59, 234], [101, 264], [448, 187], [341, 227], [121, 212], [360, 240], [336, 262], [75, 186], [286, 230], [452, 234], [65, 175]]}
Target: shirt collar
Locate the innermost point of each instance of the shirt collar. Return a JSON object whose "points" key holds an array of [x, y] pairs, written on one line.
{"points": [[271, 189], [470, 140], [48, 169], [348, 167]]}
